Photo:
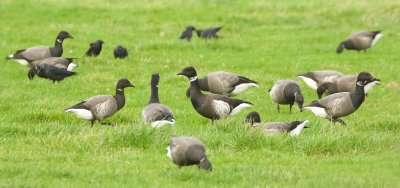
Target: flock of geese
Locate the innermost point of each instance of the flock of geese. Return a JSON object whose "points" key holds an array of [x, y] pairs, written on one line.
{"points": [[345, 93]]}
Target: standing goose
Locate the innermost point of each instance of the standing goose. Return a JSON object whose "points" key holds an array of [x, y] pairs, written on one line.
{"points": [[360, 41], [94, 48], [101, 106], [155, 113], [338, 105], [26, 56], [210, 33], [225, 83], [293, 128], [316, 78], [345, 84], [286, 92], [186, 151], [211, 106], [50, 72], [64, 63]]}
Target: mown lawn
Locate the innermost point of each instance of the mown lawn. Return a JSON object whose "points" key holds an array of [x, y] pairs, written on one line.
{"points": [[40, 146]]}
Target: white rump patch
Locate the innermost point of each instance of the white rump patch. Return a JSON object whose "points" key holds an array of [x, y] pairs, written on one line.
{"points": [[377, 37], [369, 86], [298, 129], [169, 152], [310, 82], [23, 62], [239, 108], [318, 111], [221, 108], [162, 123], [71, 66], [242, 87], [81, 113]]}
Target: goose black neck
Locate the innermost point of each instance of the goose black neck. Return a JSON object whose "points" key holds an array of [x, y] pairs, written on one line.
{"points": [[120, 97], [154, 95], [195, 87], [57, 50], [203, 84], [358, 97]]}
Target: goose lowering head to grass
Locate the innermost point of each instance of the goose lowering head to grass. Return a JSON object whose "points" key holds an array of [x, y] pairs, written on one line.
{"points": [[156, 114], [293, 128], [359, 41], [342, 104], [27, 56], [285, 92], [101, 106], [316, 78], [211, 106], [186, 151]]}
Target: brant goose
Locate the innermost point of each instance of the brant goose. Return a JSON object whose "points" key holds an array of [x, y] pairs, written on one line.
{"points": [[101, 106], [360, 41], [120, 52], [211, 106], [155, 113], [64, 63], [338, 105], [186, 151], [294, 128], [187, 34], [26, 56], [286, 92], [210, 33], [345, 84], [316, 78], [94, 48], [224, 83], [50, 72]]}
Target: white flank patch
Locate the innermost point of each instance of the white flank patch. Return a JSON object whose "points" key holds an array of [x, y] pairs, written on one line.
{"points": [[318, 111], [310, 82], [23, 62], [81, 113], [242, 87], [298, 129], [369, 86], [239, 108], [162, 123], [169, 152], [377, 37], [71, 66], [221, 108]]}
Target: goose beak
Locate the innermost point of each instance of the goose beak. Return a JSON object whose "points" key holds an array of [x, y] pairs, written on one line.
{"points": [[180, 73], [130, 85], [306, 127]]}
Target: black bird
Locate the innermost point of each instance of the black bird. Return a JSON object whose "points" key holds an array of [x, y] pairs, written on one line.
{"points": [[187, 34], [50, 72], [94, 48], [28, 55], [210, 33], [120, 52]]}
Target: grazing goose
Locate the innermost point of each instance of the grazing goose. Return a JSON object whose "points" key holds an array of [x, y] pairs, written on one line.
{"points": [[64, 63], [294, 128], [155, 113], [187, 34], [224, 83], [120, 52], [210, 33], [360, 41], [286, 92], [316, 78], [26, 56], [211, 106], [186, 151], [345, 84], [338, 105], [94, 48], [50, 72], [101, 106]]}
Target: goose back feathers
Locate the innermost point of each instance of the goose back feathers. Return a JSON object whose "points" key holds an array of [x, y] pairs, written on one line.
{"points": [[359, 41], [316, 78], [186, 151], [285, 92]]}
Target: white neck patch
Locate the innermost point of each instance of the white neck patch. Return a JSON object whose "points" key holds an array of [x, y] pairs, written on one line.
{"points": [[193, 79], [360, 83], [295, 93], [120, 89], [58, 40]]}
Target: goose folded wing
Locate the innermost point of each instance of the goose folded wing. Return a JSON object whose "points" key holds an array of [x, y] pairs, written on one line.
{"points": [[157, 112], [35, 53]]}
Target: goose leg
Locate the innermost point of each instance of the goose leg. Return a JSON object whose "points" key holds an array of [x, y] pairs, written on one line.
{"points": [[290, 108], [277, 108], [341, 121], [91, 123]]}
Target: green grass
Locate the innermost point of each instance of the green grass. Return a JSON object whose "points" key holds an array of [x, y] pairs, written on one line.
{"points": [[40, 146]]}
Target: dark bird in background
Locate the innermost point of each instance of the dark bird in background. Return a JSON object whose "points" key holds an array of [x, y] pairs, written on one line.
{"points": [[50, 72], [187, 34], [94, 48], [28, 55], [120, 52], [210, 33]]}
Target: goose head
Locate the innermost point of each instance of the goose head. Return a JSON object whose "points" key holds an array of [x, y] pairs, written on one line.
{"points": [[189, 72], [365, 77], [298, 97], [253, 118], [63, 35], [155, 78], [123, 83]]}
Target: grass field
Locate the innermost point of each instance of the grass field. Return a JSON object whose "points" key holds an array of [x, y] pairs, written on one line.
{"points": [[40, 146]]}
